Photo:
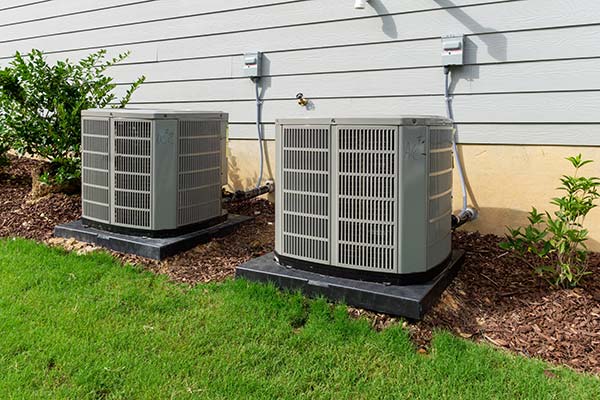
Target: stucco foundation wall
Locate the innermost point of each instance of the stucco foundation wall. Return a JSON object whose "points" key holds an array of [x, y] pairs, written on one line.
{"points": [[504, 181]]}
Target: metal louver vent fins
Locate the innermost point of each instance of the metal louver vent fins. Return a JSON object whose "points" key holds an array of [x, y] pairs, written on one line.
{"points": [[199, 171], [440, 184], [95, 155], [305, 186], [367, 191], [132, 192]]}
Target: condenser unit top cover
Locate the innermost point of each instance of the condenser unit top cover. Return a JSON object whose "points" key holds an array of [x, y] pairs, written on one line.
{"points": [[152, 113], [405, 120], [156, 172], [370, 195]]}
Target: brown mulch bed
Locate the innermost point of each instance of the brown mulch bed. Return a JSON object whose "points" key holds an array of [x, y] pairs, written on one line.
{"points": [[494, 298], [20, 215], [217, 259]]}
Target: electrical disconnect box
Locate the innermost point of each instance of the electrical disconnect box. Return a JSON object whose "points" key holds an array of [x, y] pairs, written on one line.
{"points": [[253, 65], [453, 50]]}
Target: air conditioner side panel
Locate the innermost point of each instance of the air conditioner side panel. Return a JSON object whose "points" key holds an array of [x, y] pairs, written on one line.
{"points": [[278, 189], [164, 160], [224, 140], [200, 170], [413, 206], [439, 236]]}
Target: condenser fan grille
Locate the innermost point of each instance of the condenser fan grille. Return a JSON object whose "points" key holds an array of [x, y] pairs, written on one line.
{"points": [[199, 189], [95, 160], [367, 190], [132, 167], [306, 168], [440, 185]]}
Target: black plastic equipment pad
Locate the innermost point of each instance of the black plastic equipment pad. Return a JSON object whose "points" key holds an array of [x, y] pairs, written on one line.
{"points": [[410, 301], [155, 248]]}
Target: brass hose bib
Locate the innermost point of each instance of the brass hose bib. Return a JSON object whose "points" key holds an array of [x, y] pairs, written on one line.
{"points": [[301, 100]]}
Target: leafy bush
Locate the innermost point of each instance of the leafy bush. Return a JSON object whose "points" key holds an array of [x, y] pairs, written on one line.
{"points": [[40, 106], [4, 154], [5, 144], [557, 240]]}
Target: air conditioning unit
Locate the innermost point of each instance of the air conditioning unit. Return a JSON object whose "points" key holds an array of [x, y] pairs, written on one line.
{"points": [[365, 198], [152, 172]]}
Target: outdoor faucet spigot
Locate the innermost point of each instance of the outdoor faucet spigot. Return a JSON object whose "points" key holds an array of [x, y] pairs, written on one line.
{"points": [[301, 100]]}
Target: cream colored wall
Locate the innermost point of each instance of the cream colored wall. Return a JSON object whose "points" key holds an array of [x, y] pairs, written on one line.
{"points": [[504, 181]]}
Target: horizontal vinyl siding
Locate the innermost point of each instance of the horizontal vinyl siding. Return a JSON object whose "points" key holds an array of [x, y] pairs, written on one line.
{"points": [[532, 74]]}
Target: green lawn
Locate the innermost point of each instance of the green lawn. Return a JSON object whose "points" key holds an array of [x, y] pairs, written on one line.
{"points": [[86, 327]]}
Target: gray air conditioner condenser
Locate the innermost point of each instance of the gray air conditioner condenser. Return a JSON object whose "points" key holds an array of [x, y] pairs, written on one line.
{"points": [[153, 172], [365, 197]]}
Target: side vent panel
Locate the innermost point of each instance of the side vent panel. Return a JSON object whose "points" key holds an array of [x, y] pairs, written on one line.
{"points": [[366, 198], [305, 190], [132, 192], [199, 171], [440, 194], [95, 154]]}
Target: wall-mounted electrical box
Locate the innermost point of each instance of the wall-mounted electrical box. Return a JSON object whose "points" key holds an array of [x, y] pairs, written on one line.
{"points": [[453, 50], [253, 64]]}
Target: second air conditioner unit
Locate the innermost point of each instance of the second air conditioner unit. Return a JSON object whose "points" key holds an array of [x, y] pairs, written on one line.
{"points": [[365, 198], [153, 172]]}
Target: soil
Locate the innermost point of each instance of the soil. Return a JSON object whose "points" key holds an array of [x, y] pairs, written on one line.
{"points": [[495, 298]]}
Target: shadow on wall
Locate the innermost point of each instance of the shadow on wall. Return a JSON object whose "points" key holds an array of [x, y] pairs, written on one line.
{"points": [[495, 220], [470, 192], [236, 170], [389, 25], [496, 44], [265, 82]]}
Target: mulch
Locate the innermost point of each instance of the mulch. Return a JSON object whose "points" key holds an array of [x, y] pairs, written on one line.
{"points": [[21, 215], [495, 298]]}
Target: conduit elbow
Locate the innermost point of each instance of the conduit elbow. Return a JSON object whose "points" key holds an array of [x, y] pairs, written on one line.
{"points": [[466, 215]]}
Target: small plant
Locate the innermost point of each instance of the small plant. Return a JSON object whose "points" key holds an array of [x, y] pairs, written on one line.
{"points": [[41, 104], [557, 240]]}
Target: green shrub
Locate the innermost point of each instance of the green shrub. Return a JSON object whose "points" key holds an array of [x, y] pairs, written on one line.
{"points": [[3, 155], [557, 240], [5, 144], [40, 106]]}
